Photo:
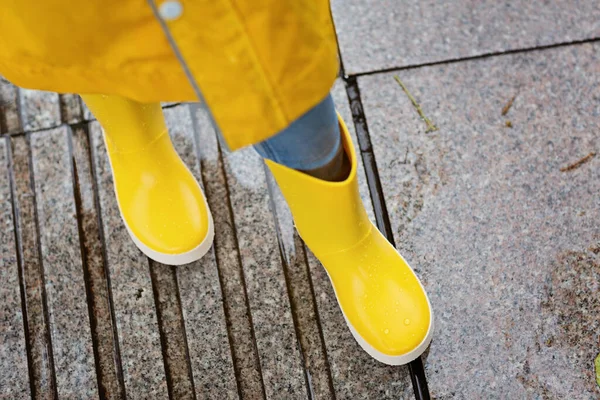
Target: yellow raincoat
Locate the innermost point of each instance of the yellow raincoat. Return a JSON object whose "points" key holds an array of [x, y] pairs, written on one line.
{"points": [[259, 64]]}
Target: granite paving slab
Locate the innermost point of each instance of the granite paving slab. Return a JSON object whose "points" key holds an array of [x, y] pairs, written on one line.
{"points": [[39, 109], [375, 35], [70, 108], [110, 373], [43, 380], [226, 255], [275, 332], [14, 379], [131, 289], [172, 332], [302, 300], [503, 234], [198, 287], [10, 120], [62, 264]]}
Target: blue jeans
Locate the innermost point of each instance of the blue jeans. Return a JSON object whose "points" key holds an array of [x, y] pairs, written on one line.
{"points": [[310, 142]]}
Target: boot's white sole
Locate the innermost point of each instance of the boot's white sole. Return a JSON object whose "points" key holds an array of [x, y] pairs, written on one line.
{"points": [[166, 258], [177, 259], [386, 358]]}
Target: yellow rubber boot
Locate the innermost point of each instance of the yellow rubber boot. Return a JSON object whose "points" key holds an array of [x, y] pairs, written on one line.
{"points": [[161, 203], [383, 301]]}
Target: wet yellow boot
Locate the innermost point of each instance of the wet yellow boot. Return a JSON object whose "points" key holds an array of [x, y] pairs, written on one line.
{"points": [[382, 300], [161, 203]]}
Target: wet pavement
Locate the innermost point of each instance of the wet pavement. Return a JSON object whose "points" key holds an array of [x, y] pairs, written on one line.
{"points": [[498, 211]]}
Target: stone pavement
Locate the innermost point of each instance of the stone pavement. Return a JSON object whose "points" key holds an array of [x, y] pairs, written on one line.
{"points": [[492, 210]]}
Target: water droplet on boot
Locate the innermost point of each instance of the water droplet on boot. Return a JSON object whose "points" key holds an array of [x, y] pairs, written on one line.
{"points": [[407, 321], [387, 331]]}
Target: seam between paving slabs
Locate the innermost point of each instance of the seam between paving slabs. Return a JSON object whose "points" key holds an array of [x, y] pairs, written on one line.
{"points": [[18, 252], [161, 332], [117, 348], [319, 326], [63, 112], [3, 123], [193, 109], [63, 121], [221, 166], [416, 371], [307, 379], [285, 266], [84, 264], [183, 330], [242, 273], [475, 57], [366, 149], [41, 270]]}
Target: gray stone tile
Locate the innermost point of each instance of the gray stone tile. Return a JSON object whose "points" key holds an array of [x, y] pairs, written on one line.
{"points": [[41, 364], [392, 33], [39, 110], [14, 379], [504, 240], [70, 108], [131, 286], [170, 323], [200, 290], [278, 347], [62, 265], [103, 330], [302, 297], [10, 121], [227, 257]]}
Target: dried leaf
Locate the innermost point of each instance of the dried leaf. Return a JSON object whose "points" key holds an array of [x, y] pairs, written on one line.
{"points": [[508, 105], [578, 163]]}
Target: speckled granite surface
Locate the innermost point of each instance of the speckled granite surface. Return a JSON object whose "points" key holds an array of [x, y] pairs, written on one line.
{"points": [[62, 265], [499, 221], [9, 117], [131, 290], [504, 240], [198, 286], [14, 382], [375, 35], [70, 108], [274, 329], [103, 327], [39, 110], [226, 253], [39, 347]]}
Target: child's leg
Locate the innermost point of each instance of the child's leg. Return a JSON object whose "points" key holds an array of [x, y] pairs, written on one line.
{"points": [[311, 144], [382, 299], [161, 203]]}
